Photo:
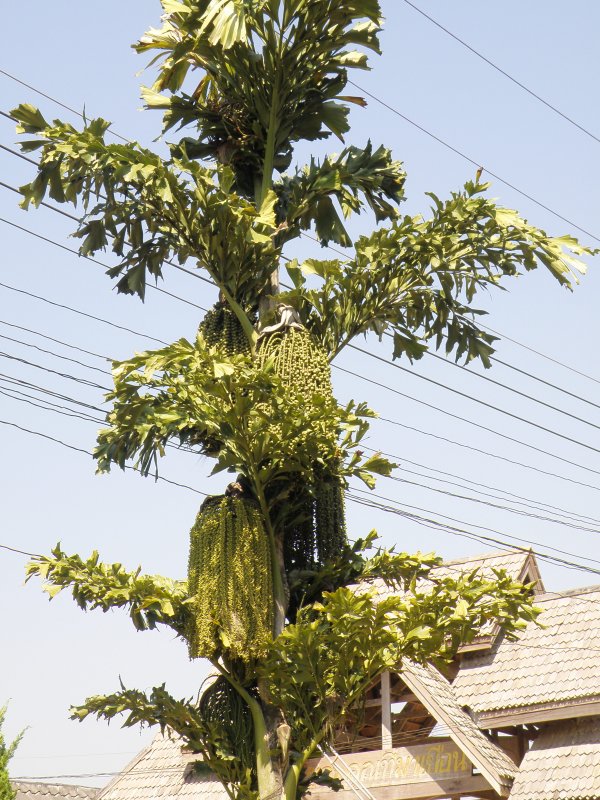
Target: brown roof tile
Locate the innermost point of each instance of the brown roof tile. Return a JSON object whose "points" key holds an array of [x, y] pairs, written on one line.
{"points": [[161, 770], [551, 665], [47, 791], [563, 764]]}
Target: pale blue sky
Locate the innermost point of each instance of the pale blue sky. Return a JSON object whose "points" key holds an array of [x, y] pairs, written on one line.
{"points": [[79, 53]]}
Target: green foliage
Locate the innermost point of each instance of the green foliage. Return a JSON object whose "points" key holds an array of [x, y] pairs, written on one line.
{"points": [[7, 751], [249, 78], [151, 210], [263, 428], [354, 178], [418, 278], [199, 726], [319, 667], [151, 600], [294, 57], [230, 581]]}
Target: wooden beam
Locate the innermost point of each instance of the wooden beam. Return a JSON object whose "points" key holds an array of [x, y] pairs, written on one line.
{"points": [[418, 790], [386, 712], [528, 715]]}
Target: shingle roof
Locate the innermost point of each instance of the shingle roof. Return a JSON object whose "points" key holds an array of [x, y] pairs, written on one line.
{"points": [[161, 770], [519, 565], [436, 694], [546, 666], [516, 563], [45, 791], [563, 764]]}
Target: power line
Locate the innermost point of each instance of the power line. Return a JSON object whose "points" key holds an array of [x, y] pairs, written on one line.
{"points": [[529, 542], [485, 452], [93, 260], [53, 100], [539, 353], [88, 453], [504, 73], [563, 522], [427, 433], [20, 552], [472, 161], [483, 402], [461, 532], [524, 394], [502, 494], [52, 353], [66, 214], [56, 341], [570, 519], [82, 313], [340, 252], [374, 504], [548, 430], [462, 419], [64, 375]]}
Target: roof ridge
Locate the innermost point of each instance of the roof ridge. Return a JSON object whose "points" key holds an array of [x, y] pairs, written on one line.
{"points": [[486, 556], [550, 595]]}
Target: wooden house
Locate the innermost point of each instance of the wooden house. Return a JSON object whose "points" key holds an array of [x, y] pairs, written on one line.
{"points": [[517, 720]]}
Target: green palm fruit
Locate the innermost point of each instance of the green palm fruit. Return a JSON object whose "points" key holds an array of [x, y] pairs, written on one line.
{"points": [[298, 360], [317, 529], [220, 327], [330, 520], [230, 580], [228, 718]]}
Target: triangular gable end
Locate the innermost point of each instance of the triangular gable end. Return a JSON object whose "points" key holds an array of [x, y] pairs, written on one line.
{"points": [[435, 693]]}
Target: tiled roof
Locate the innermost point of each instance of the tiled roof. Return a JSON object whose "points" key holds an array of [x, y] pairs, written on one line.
{"points": [[519, 564], [563, 764], [46, 791], [161, 770], [434, 691], [515, 562], [548, 665]]}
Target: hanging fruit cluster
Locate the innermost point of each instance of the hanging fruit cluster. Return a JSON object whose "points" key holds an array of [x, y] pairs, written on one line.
{"points": [[298, 360], [319, 529], [220, 327], [230, 580], [230, 575]]}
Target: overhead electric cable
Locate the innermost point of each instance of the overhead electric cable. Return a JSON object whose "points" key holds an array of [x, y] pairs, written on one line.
{"points": [[89, 453], [570, 519], [427, 433], [504, 73], [502, 495], [492, 407], [340, 252], [485, 453], [403, 505], [455, 531], [64, 375], [56, 341], [464, 419], [52, 353], [520, 512], [355, 347], [53, 100], [93, 260], [542, 355], [82, 313], [395, 111], [517, 391], [476, 164]]}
